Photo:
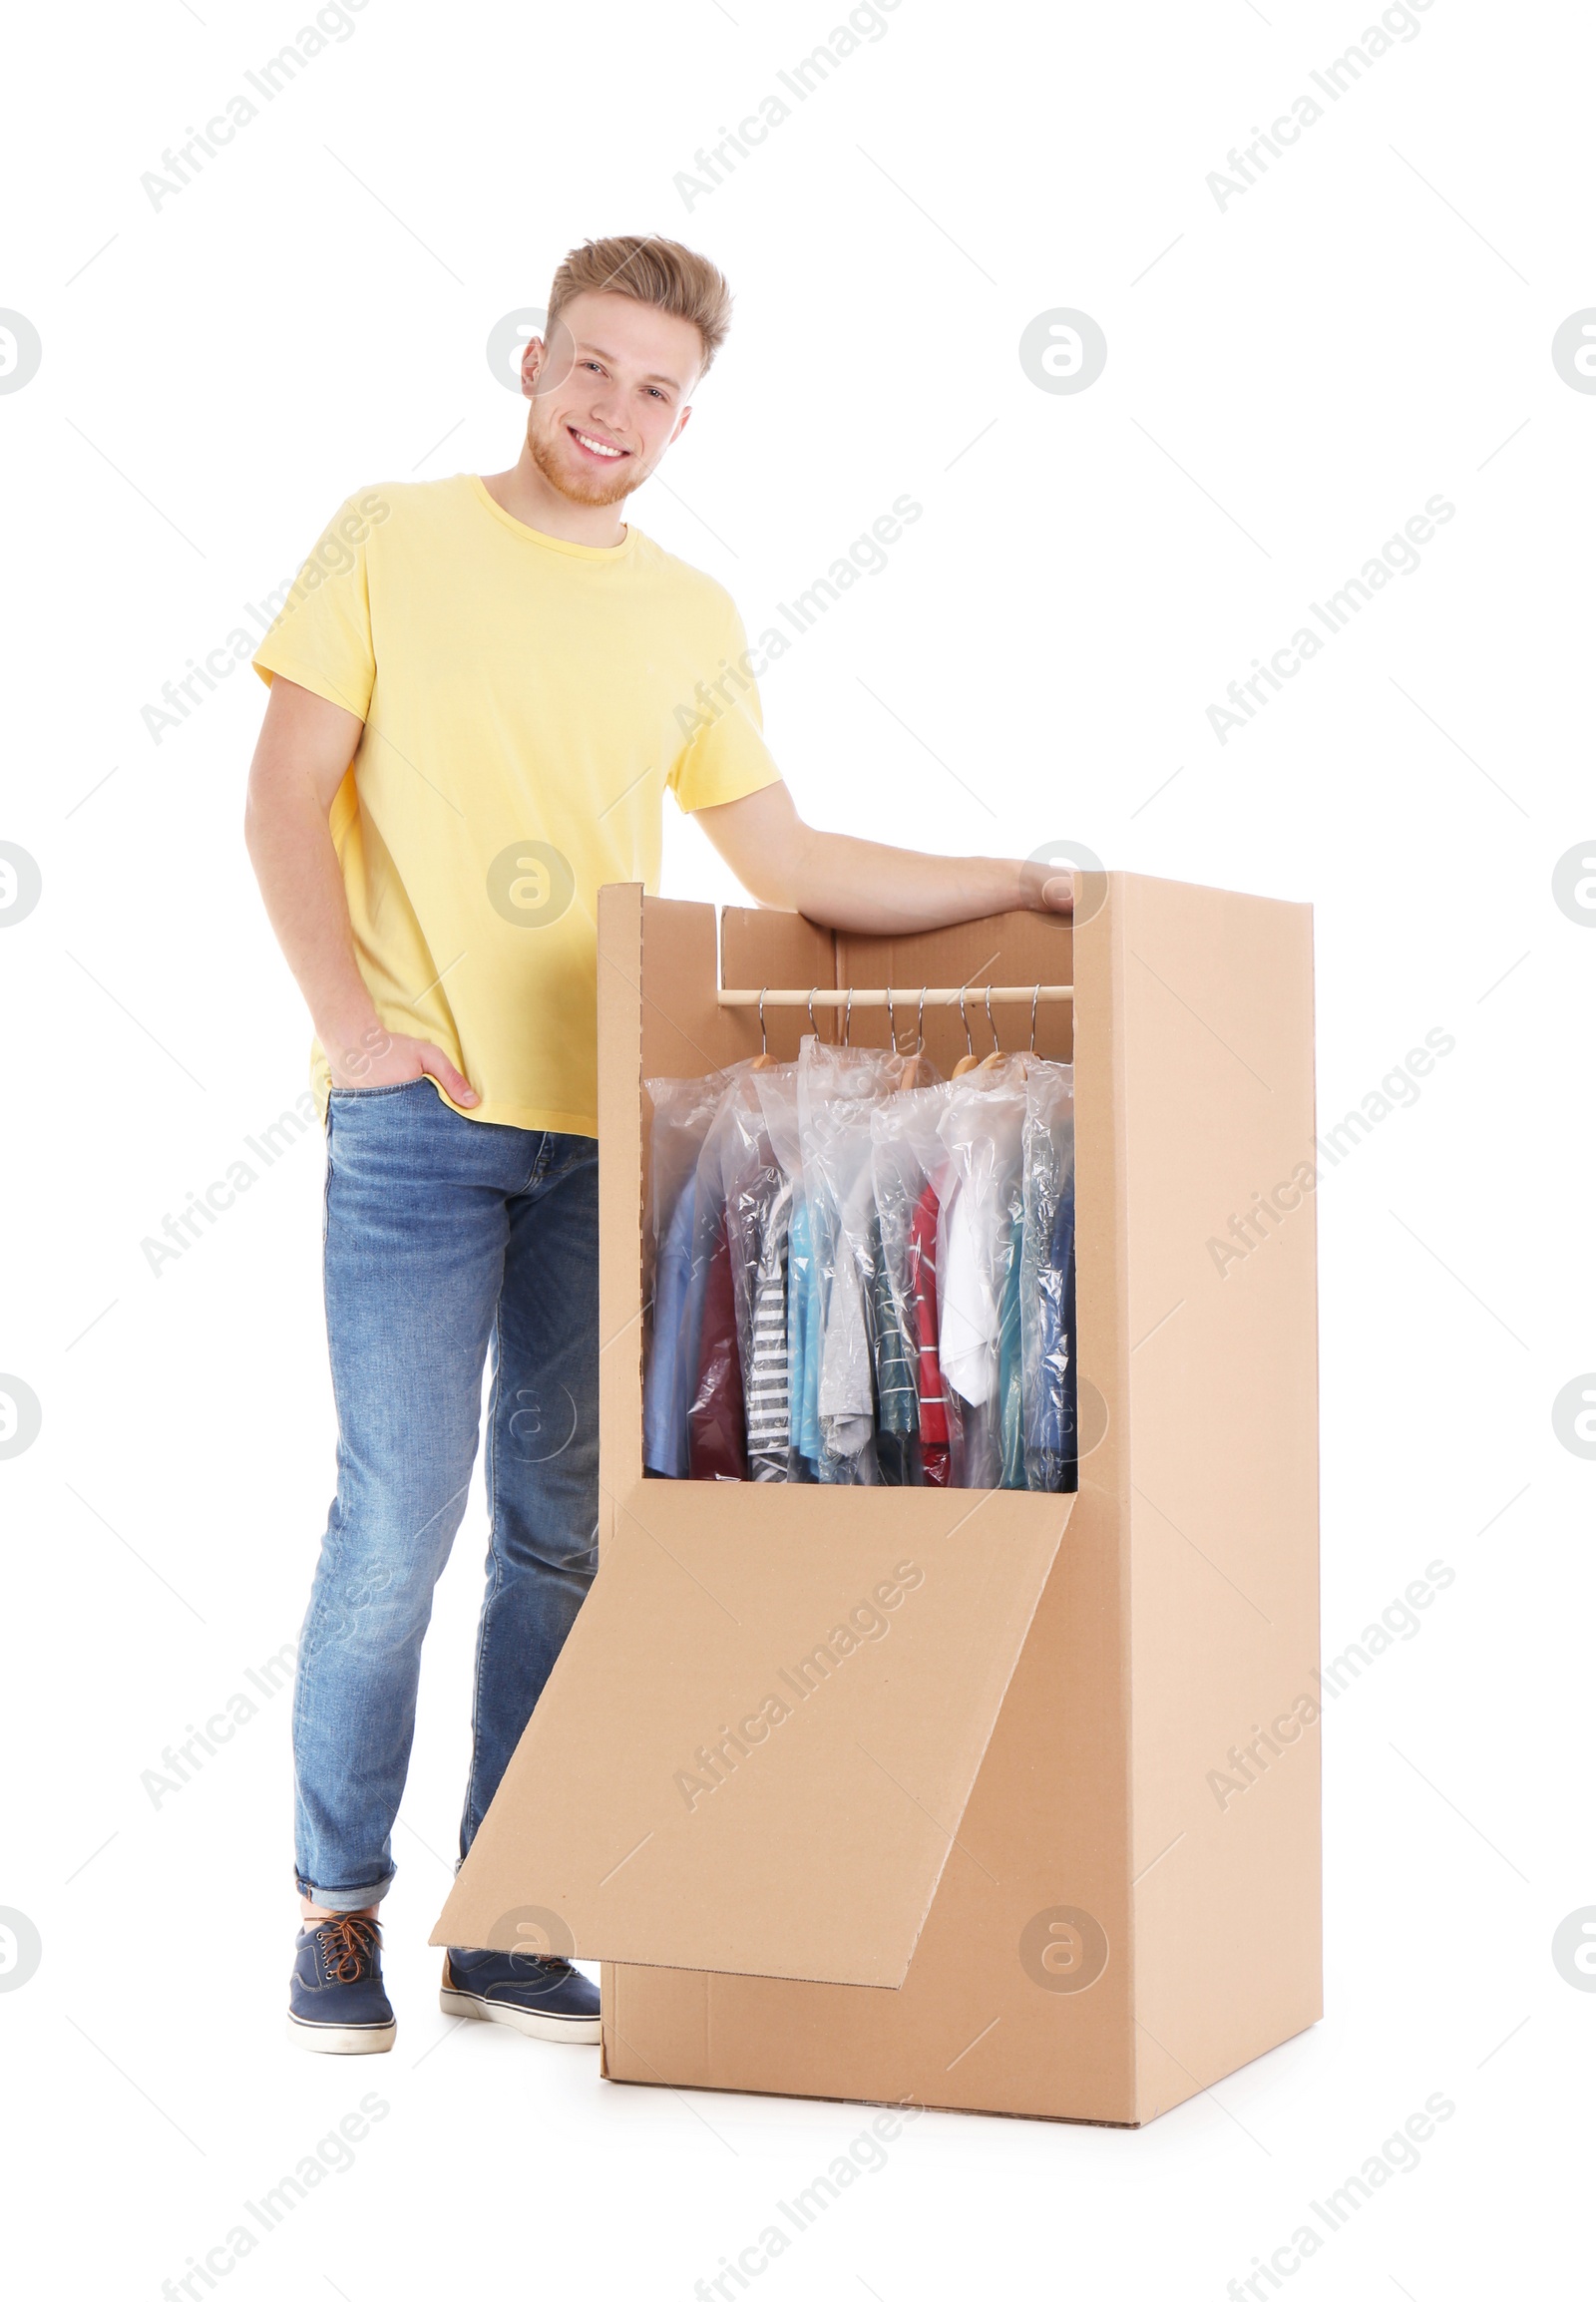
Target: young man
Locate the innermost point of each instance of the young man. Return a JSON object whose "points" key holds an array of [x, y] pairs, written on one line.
{"points": [[481, 690]]}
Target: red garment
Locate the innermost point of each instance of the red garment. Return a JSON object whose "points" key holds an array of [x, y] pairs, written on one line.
{"points": [[933, 1448], [716, 1429]]}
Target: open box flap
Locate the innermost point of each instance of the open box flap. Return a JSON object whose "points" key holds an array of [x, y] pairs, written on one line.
{"points": [[754, 1753]]}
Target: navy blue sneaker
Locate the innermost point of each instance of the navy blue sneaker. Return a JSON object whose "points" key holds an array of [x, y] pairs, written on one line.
{"points": [[547, 1998], [336, 2001]]}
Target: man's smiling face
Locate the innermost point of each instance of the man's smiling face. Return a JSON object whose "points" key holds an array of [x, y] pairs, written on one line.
{"points": [[609, 392]]}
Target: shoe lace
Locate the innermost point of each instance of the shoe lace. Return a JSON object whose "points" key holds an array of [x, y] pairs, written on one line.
{"points": [[346, 1944], [550, 1962]]}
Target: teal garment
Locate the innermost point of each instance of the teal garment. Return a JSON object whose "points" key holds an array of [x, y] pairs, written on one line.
{"points": [[803, 1339], [1010, 1386]]}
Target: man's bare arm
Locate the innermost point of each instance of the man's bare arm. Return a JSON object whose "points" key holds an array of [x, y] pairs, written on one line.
{"points": [[302, 756], [861, 885]]}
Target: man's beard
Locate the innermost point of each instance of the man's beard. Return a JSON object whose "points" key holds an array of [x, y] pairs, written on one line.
{"points": [[579, 487]]}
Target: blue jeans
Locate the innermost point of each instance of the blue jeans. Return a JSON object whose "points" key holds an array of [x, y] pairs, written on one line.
{"points": [[441, 1234]]}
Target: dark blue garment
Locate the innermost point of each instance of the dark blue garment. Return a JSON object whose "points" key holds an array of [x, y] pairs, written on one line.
{"points": [[664, 1430], [1065, 1248], [1050, 1411]]}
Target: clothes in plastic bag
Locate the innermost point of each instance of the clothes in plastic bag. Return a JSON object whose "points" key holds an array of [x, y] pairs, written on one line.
{"points": [[777, 1090], [683, 1111], [765, 1373], [837, 1089], [717, 1446], [1010, 1403], [717, 1418], [758, 1196], [856, 1284], [979, 1237], [1048, 1282], [908, 1159], [803, 1347], [897, 1399]]}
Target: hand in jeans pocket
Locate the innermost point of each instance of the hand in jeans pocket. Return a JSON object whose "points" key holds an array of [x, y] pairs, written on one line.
{"points": [[387, 1059]]}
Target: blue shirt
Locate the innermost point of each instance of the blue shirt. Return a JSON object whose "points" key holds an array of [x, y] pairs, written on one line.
{"points": [[664, 1429], [803, 1337]]}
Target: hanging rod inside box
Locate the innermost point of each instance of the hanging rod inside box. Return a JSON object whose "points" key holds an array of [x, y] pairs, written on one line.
{"points": [[906, 996]]}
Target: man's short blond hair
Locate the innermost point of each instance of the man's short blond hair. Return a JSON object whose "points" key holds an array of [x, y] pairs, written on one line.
{"points": [[659, 273]]}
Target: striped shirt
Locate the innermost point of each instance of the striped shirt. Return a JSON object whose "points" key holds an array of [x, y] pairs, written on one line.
{"points": [[765, 1392]]}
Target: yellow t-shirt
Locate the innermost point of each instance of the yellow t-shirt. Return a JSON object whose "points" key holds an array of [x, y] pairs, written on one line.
{"points": [[526, 704]]}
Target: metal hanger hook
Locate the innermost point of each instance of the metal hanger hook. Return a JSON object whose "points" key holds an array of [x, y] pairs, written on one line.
{"points": [[990, 1025], [812, 1031], [848, 1016], [763, 1047], [920, 1023], [892, 1021], [1035, 996], [970, 1043]]}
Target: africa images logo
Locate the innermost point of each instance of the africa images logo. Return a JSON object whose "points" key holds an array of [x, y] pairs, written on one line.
{"points": [[1064, 1949], [531, 883]]}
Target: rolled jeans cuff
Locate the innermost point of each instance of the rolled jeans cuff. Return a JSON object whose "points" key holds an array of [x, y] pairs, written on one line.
{"points": [[344, 1898]]}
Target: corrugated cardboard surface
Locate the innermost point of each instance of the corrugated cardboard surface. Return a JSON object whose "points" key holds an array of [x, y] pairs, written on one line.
{"points": [[756, 1746], [1180, 1608], [972, 2026], [1216, 1028]]}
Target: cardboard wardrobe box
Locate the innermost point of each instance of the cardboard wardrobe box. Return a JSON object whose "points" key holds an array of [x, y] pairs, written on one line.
{"points": [[996, 1801]]}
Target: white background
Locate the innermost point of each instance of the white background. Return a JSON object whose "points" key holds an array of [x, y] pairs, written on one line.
{"points": [[1289, 379]]}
